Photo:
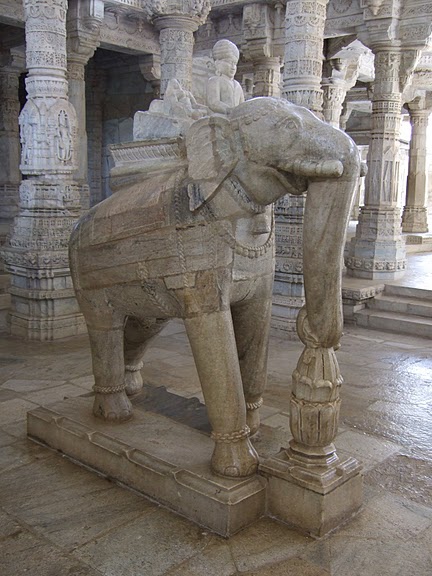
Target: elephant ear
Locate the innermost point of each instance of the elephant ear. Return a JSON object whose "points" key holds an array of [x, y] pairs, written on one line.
{"points": [[211, 157]]}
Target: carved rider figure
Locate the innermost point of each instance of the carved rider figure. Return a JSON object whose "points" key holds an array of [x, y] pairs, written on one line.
{"points": [[223, 92]]}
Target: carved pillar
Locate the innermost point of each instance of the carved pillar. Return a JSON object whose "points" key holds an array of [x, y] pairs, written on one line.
{"points": [[83, 26], [11, 65], [176, 22], [267, 77], [304, 29], [414, 218], [95, 84], [43, 301], [378, 250], [334, 96], [151, 70], [259, 21]]}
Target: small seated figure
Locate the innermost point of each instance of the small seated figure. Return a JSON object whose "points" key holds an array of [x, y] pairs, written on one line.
{"points": [[181, 103], [223, 92]]}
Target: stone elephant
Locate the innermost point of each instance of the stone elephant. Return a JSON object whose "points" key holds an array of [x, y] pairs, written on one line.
{"points": [[195, 239]]}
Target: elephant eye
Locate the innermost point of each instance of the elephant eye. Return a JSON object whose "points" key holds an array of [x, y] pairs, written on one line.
{"points": [[288, 124]]}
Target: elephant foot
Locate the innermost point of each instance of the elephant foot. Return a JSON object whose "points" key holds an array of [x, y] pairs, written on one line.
{"points": [[234, 456], [133, 379], [253, 415], [112, 407]]}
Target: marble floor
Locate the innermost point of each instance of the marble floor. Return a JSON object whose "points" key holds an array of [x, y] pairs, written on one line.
{"points": [[59, 519]]}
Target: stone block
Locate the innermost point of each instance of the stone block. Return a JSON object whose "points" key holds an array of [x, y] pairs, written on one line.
{"points": [[315, 505]]}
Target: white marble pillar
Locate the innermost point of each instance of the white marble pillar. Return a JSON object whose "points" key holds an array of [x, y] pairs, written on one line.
{"points": [[415, 217], [36, 252], [304, 29], [267, 77], [95, 90], [176, 21], [378, 250], [11, 66], [334, 93]]}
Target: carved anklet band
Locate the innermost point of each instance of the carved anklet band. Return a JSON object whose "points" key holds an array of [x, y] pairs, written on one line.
{"points": [[254, 405], [231, 436], [135, 367], [108, 389]]}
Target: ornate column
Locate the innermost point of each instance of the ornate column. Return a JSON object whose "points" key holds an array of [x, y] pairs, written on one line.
{"points": [[11, 65], [95, 90], [83, 27], [415, 217], [258, 46], [304, 38], [43, 301], [378, 251], [176, 22]]}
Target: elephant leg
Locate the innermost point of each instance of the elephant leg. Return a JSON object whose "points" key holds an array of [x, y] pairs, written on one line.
{"points": [[111, 402], [213, 345], [105, 330], [137, 336], [251, 321]]}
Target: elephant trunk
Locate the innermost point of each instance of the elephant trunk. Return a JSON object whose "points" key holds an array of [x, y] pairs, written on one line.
{"points": [[322, 169], [328, 206]]}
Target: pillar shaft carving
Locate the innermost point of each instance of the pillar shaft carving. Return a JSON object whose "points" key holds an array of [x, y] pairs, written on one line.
{"points": [[96, 82], [334, 96], [304, 28], [414, 218], [176, 22], [10, 151], [84, 20], [378, 251], [35, 253]]}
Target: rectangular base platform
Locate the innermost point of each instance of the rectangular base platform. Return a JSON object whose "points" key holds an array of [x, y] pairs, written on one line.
{"points": [[156, 456]]}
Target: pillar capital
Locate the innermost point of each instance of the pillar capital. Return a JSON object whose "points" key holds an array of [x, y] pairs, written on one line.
{"points": [[177, 13]]}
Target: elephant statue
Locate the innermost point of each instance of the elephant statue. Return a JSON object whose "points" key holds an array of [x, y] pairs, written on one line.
{"points": [[195, 240]]}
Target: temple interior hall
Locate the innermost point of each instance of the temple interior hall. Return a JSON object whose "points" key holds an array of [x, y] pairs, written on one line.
{"points": [[73, 75]]}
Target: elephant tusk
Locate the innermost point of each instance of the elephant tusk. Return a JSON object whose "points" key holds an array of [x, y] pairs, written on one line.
{"points": [[324, 169]]}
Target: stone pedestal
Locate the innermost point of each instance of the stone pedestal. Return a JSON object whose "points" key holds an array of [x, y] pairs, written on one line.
{"points": [[414, 217], [160, 458], [317, 500]]}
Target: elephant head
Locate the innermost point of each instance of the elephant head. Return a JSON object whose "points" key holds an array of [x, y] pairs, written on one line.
{"points": [[273, 148]]}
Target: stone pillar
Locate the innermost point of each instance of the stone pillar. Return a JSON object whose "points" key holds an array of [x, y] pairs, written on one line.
{"points": [[95, 84], [259, 22], [304, 29], [11, 65], [176, 21], [43, 302], [415, 218], [334, 96], [267, 77], [83, 27], [378, 250], [301, 85]]}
